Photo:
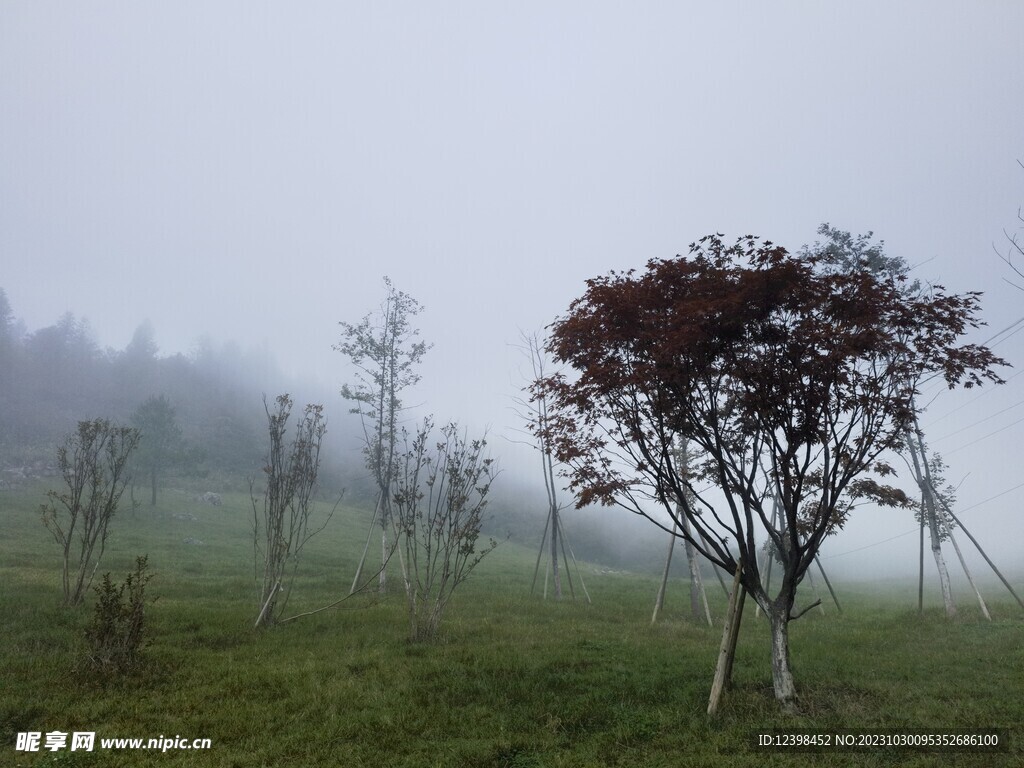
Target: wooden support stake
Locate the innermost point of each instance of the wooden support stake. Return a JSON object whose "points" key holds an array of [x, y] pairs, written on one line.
{"points": [[730, 634], [579, 571], [974, 541], [659, 599], [967, 573], [829, 585]]}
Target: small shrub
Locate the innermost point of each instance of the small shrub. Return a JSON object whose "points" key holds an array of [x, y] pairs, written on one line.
{"points": [[117, 633]]}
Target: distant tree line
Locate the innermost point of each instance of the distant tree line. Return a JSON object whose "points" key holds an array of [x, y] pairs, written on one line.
{"points": [[54, 377]]}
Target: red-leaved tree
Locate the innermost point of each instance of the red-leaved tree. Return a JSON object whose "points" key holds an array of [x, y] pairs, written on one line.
{"points": [[790, 379]]}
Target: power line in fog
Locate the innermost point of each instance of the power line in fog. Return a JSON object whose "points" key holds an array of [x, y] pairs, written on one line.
{"points": [[915, 530]]}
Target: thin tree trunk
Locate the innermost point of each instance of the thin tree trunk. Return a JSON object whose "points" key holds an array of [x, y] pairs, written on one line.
{"points": [[152, 482], [382, 584], [366, 548], [715, 568], [920, 568], [940, 562], [916, 446], [556, 579], [568, 575], [698, 597]]}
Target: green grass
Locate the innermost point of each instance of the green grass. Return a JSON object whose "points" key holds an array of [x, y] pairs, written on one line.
{"points": [[516, 681]]}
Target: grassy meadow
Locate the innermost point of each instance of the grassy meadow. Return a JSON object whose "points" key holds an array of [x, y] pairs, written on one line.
{"points": [[515, 681]]}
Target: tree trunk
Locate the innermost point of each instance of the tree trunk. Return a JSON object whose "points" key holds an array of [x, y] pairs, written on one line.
{"points": [[940, 561], [382, 584], [152, 483], [782, 672], [929, 512], [556, 578]]}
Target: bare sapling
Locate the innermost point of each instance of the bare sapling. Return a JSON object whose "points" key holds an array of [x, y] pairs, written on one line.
{"points": [[93, 462], [385, 352], [281, 519], [440, 496]]}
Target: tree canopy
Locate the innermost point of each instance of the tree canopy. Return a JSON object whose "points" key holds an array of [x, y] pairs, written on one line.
{"points": [[789, 377]]}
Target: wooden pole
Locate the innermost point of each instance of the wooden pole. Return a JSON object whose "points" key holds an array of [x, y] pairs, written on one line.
{"points": [[659, 599], [697, 593], [730, 634], [579, 571], [814, 589], [974, 541], [967, 573], [829, 585]]}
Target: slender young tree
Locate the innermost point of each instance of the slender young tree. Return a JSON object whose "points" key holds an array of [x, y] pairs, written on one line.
{"points": [[385, 350], [1015, 247], [790, 379], [281, 518], [94, 464], [161, 445], [439, 501], [534, 411], [840, 250]]}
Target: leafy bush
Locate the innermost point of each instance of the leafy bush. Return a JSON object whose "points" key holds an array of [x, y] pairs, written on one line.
{"points": [[117, 633]]}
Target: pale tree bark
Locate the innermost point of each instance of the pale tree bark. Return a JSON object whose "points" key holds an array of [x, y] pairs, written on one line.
{"points": [[782, 670], [915, 446], [549, 478]]}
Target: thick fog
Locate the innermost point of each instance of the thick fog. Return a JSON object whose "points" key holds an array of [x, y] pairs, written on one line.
{"points": [[248, 172]]}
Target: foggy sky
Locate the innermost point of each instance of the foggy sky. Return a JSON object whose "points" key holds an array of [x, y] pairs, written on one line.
{"points": [[251, 170]]}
